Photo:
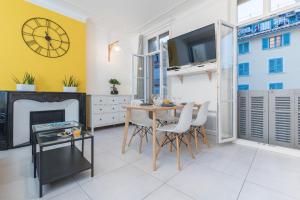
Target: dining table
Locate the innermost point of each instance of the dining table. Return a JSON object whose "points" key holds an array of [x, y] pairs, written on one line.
{"points": [[152, 109]]}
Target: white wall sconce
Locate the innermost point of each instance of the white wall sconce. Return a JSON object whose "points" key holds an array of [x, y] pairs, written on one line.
{"points": [[113, 46]]}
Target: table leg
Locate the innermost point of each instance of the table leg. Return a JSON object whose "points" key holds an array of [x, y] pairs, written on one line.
{"points": [[154, 141], [92, 156], [41, 172], [128, 116], [34, 157], [82, 146]]}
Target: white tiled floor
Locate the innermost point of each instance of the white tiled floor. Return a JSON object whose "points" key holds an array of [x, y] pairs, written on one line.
{"points": [[229, 172]]}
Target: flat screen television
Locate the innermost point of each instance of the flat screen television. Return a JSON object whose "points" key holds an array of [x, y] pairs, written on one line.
{"points": [[193, 48]]}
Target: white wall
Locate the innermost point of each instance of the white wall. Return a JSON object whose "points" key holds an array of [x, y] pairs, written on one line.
{"points": [[198, 87], [99, 70], [193, 15]]}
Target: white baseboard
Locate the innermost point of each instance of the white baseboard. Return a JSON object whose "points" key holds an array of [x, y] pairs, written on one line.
{"points": [[269, 147]]}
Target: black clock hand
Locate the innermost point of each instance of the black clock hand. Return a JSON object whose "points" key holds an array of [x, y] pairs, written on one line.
{"points": [[49, 44], [51, 39]]}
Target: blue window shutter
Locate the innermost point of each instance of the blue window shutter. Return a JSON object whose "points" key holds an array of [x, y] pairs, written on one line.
{"points": [[240, 48], [265, 43], [246, 47], [243, 87], [240, 69], [276, 86], [244, 69], [271, 66], [286, 39], [276, 65], [279, 65]]}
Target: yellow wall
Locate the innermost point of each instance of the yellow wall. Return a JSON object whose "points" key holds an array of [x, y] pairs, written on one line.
{"points": [[17, 58]]}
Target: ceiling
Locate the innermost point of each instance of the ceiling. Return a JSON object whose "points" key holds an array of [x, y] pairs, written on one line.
{"points": [[123, 15]]}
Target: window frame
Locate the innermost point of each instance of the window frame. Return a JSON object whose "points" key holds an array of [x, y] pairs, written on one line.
{"points": [[268, 13], [275, 38]]}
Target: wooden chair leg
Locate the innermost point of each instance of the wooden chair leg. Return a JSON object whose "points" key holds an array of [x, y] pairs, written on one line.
{"points": [[170, 147], [185, 137], [141, 141], [178, 152], [204, 135], [196, 139], [163, 139], [133, 135]]}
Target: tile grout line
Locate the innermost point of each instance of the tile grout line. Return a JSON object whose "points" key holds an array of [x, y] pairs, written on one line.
{"points": [[271, 189], [181, 191], [88, 196], [63, 192], [147, 195], [254, 157]]}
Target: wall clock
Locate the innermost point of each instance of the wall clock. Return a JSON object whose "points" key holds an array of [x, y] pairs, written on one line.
{"points": [[45, 37]]}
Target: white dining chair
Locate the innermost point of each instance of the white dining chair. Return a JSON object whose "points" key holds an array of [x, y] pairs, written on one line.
{"points": [[198, 124], [143, 124], [165, 117], [178, 132]]}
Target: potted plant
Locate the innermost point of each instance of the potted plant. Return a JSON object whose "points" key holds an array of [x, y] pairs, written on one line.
{"points": [[114, 89], [27, 84], [70, 84]]}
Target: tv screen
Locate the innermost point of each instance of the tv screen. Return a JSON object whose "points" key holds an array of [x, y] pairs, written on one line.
{"points": [[194, 47]]}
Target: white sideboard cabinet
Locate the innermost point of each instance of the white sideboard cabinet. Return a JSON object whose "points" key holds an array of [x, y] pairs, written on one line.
{"points": [[106, 110]]}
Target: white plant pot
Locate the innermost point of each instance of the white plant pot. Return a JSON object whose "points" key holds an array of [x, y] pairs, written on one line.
{"points": [[70, 89], [25, 87]]}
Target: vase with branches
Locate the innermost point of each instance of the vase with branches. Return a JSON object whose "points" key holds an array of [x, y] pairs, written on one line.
{"points": [[114, 89]]}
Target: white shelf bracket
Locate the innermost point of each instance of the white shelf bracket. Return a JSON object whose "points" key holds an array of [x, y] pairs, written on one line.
{"points": [[180, 77], [209, 74]]}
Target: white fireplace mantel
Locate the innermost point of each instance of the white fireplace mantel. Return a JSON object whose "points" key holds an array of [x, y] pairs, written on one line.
{"points": [[21, 115]]}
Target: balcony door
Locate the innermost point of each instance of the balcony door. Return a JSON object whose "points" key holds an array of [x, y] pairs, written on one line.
{"points": [[226, 82]]}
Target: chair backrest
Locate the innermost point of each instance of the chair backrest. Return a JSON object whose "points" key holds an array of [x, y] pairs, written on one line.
{"points": [[138, 115], [185, 119], [202, 115]]}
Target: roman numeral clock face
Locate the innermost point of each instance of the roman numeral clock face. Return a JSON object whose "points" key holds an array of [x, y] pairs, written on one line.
{"points": [[45, 37]]}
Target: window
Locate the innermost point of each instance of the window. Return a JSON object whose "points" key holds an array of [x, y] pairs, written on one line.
{"points": [[276, 41], [276, 86], [155, 70], [275, 65], [250, 9], [163, 38], [243, 87], [244, 69], [276, 4], [152, 45], [243, 48], [155, 74]]}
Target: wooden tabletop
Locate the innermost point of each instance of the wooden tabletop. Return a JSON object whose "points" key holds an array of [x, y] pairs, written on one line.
{"points": [[157, 108]]}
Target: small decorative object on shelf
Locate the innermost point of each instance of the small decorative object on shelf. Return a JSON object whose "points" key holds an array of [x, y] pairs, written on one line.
{"points": [[70, 84], [114, 89], [27, 84]]}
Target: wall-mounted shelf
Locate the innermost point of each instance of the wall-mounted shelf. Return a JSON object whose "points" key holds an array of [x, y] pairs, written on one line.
{"points": [[207, 68]]}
